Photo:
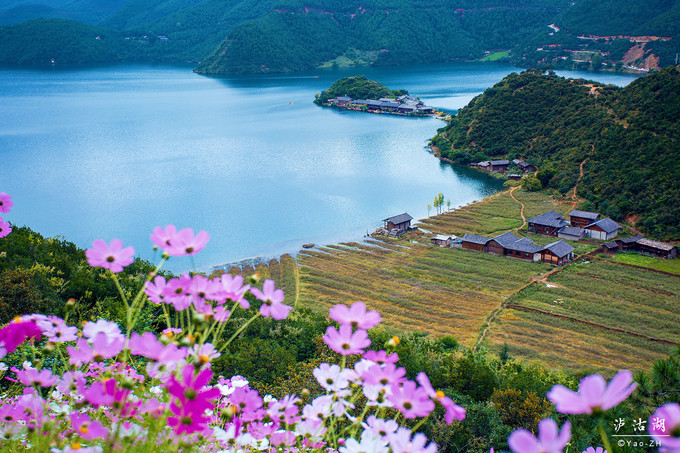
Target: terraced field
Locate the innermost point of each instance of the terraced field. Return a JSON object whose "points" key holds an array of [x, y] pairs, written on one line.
{"points": [[595, 315]]}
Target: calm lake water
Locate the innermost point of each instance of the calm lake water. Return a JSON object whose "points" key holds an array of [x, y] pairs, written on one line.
{"points": [[111, 152]]}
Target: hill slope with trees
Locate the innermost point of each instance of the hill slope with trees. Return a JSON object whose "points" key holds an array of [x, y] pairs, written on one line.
{"points": [[628, 138]]}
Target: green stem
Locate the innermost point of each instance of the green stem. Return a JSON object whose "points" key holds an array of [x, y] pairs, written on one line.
{"points": [[419, 424], [241, 329], [605, 439], [120, 291]]}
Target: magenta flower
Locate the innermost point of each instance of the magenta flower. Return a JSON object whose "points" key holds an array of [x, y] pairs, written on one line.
{"points": [[549, 439], [109, 328], [185, 243], [355, 316], [176, 292], [5, 228], [594, 450], [381, 357], [31, 377], [86, 428], [163, 237], [594, 395], [113, 257], [664, 426], [56, 330], [192, 390], [15, 333], [411, 400], [102, 348], [6, 203], [154, 290], [271, 301], [384, 376], [453, 411], [248, 404], [344, 342], [234, 289]]}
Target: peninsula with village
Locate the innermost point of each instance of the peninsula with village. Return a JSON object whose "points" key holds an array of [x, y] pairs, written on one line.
{"points": [[361, 94]]}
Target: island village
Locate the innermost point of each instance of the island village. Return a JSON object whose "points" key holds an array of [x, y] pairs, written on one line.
{"points": [[402, 105]]}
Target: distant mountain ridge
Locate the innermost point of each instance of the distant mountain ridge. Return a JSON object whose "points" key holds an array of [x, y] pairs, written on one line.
{"points": [[251, 36]]}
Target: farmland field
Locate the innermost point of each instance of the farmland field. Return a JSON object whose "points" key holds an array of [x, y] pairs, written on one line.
{"points": [[593, 314]]}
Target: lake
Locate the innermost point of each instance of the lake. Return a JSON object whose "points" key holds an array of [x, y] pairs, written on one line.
{"points": [[113, 151]]}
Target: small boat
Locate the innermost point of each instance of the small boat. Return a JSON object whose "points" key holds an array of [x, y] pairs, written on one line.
{"points": [[308, 245]]}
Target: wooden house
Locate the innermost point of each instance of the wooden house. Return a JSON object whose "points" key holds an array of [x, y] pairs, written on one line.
{"points": [[401, 222], [442, 240], [514, 177], [474, 242], [605, 229], [498, 245], [581, 219], [343, 101], [526, 167], [499, 166], [571, 233], [655, 248], [557, 253], [627, 244], [548, 223], [610, 248]]}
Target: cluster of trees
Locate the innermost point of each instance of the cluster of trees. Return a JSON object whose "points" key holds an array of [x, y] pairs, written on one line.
{"points": [[629, 137], [357, 87]]}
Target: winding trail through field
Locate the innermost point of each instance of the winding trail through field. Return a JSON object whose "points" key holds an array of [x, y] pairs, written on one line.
{"points": [[521, 211]]}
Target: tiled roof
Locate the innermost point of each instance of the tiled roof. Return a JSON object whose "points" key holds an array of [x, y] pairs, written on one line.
{"points": [[630, 240], [572, 231], [506, 239], [500, 162], [473, 238], [560, 248], [442, 237], [607, 225], [401, 218], [551, 219], [584, 214], [611, 245], [656, 244]]}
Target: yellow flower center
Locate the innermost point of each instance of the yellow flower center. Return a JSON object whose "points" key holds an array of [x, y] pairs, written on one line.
{"points": [[440, 394]]}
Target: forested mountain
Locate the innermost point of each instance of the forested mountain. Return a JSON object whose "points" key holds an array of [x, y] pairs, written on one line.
{"points": [[597, 33], [299, 35], [242, 36], [629, 139]]}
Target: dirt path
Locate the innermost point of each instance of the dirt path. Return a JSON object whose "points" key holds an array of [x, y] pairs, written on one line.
{"points": [[574, 198], [521, 211]]}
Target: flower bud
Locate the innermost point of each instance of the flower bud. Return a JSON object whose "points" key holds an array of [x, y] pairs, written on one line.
{"points": [[71, 302], [392, 342], [255, 278]]}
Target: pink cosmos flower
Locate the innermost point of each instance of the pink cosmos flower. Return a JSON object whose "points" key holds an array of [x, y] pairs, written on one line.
{"points": [[234, 289], [192, 391], [383, 428], [594, 450], [109, 328], [102, 348], [15, 333], [56, 330], [331, 377], [185, 243], [401, 442], [31, 377], [146, 345], [272, 299], [381, 357], [344, 342], [384, 376], [549, 439], [186, 419], [6, 203], [370, 442], [5, 228], [113, 257], [453, 411], [411, 400], [664, 426], [594, 395], [176, 292], [284, 410], [154, 290], [248, 404], [86, 428], [355, 316], [163, 237]]}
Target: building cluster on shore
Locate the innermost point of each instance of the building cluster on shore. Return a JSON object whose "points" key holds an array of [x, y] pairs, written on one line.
{"points": [[503, 166], [403, 105]]}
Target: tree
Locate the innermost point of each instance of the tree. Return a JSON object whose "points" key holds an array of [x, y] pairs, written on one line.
{"points": [[429, 207], [439, 202]]}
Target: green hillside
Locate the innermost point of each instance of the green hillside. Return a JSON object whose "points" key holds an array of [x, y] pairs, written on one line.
{"points": [[628, 138], [358, 87]]}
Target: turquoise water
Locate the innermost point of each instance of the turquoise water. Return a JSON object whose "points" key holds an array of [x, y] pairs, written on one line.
{"points": [[111, 152]]}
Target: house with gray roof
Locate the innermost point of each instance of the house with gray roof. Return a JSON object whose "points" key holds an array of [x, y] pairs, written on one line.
{"points": [[605, 229], [474, 242], [401, 223], [548, 223], [571, 233], [581, 219], [557, 253]]}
